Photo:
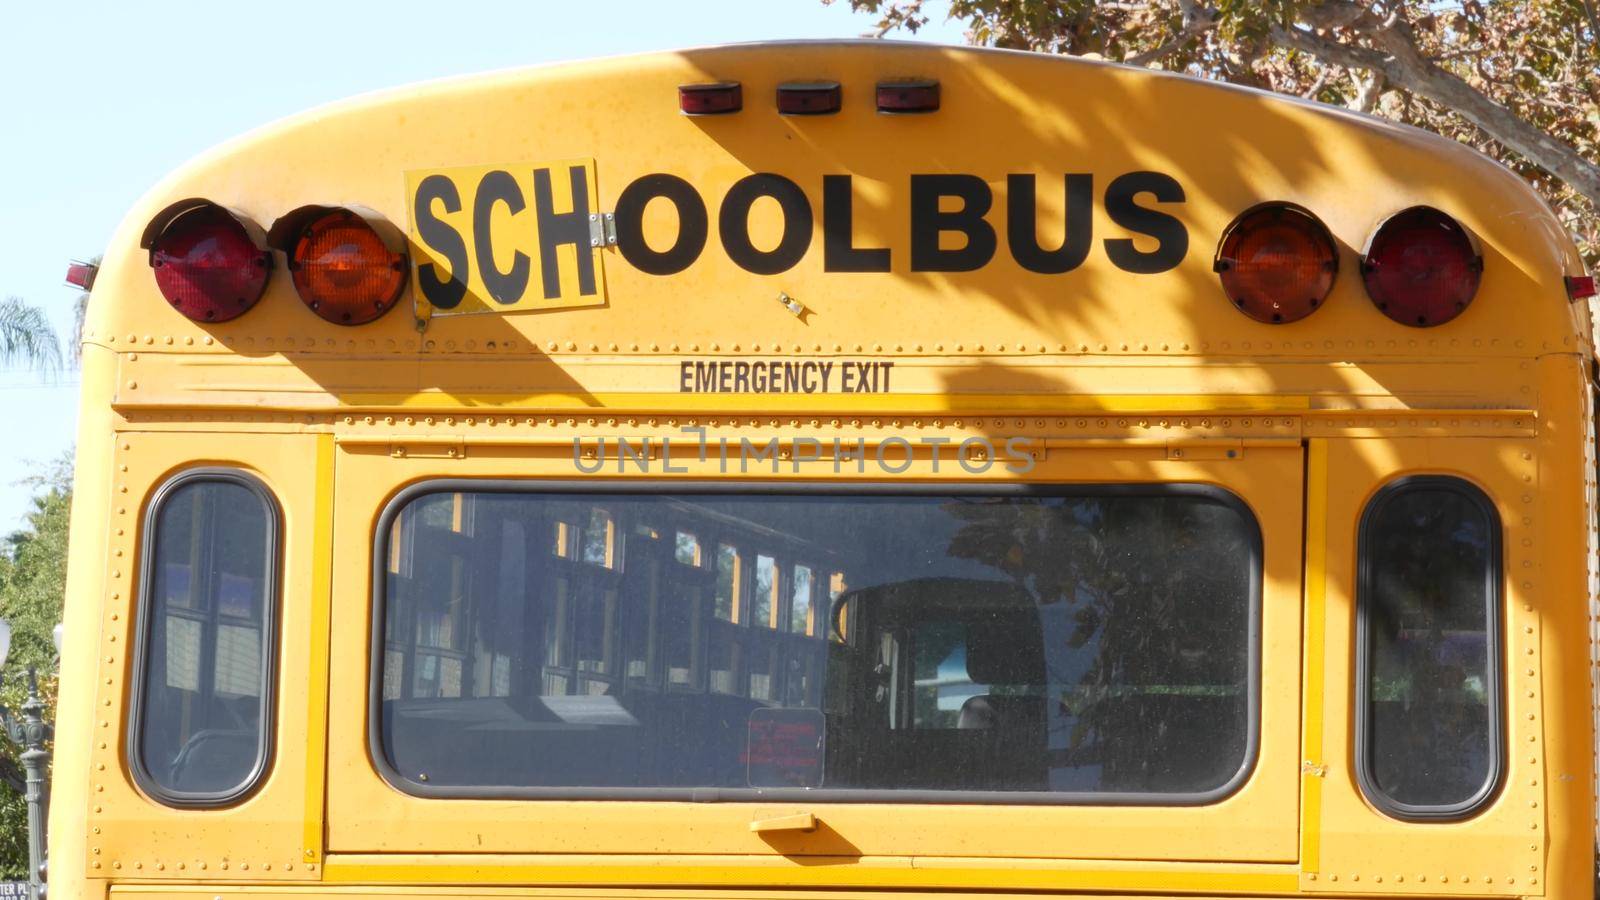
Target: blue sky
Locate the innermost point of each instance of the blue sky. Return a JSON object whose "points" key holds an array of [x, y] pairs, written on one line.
{"points": [[102, 99]]}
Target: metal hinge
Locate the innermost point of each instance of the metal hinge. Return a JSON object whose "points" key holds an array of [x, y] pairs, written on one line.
{"points": [[1215, 448], [602, 230], [429, 450]]}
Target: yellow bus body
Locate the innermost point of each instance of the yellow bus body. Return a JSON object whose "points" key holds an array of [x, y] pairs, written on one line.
{"points": [[1115, 377]]}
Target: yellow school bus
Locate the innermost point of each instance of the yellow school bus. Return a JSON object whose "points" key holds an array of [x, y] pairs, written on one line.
{"points": [[827, 469]]}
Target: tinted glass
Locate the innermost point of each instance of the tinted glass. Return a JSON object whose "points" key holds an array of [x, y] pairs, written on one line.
{"points": [[1429, 600], [207, 620], [1094, 644]]}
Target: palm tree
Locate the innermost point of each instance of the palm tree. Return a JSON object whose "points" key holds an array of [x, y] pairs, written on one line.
{"points": [[80, 312], [26, 336]]}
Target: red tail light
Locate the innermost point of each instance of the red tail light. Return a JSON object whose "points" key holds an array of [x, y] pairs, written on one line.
{"points": [[344, 270], [1421, 267], [816, 98], [908, 96], [207, 265], [710, 99], [1277, 263]]}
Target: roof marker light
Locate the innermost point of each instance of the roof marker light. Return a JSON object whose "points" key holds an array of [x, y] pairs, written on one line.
{"points": [[81, 274], [1580, 287], [712, 99], [809, 98], [899, 97], [1421, 267], [1277, 262]]}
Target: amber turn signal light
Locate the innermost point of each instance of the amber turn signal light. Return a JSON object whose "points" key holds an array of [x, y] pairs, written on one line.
{"points": [[1277, 263], [348, 266]]}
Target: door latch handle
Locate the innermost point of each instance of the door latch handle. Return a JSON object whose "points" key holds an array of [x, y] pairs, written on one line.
{"points": [[796, 822]]}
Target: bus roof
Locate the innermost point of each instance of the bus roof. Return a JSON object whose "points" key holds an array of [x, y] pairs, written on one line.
{"points": [[864, 261]]}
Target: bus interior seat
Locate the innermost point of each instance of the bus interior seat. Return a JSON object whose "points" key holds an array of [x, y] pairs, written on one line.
{"points": [[1451, 736], [1013, 715], [573, 740], [1163, 742], [213, 760], [1005, 652], [1004, 733]]}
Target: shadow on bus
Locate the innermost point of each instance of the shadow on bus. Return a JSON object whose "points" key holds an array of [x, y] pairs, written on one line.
{"points": [[1226, 148], [821, 846], [463, 361]]}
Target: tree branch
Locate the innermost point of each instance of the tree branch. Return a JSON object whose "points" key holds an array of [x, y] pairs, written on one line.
{"points": [[1316, 87], [1368, 92], [1177, 43], [1396, 58], [1594, 22], [1197, 20], [898, 16]]}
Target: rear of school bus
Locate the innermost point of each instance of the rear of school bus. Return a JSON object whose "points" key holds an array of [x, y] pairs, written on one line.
{"points": [[517, 485]]}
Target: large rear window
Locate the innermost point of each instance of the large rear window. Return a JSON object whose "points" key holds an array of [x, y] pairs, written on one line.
{"points": [[1096, 644]]}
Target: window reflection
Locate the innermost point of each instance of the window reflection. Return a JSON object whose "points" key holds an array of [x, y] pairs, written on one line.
{"points": [[206, 621], [1430, 596], [1089, 644]]}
